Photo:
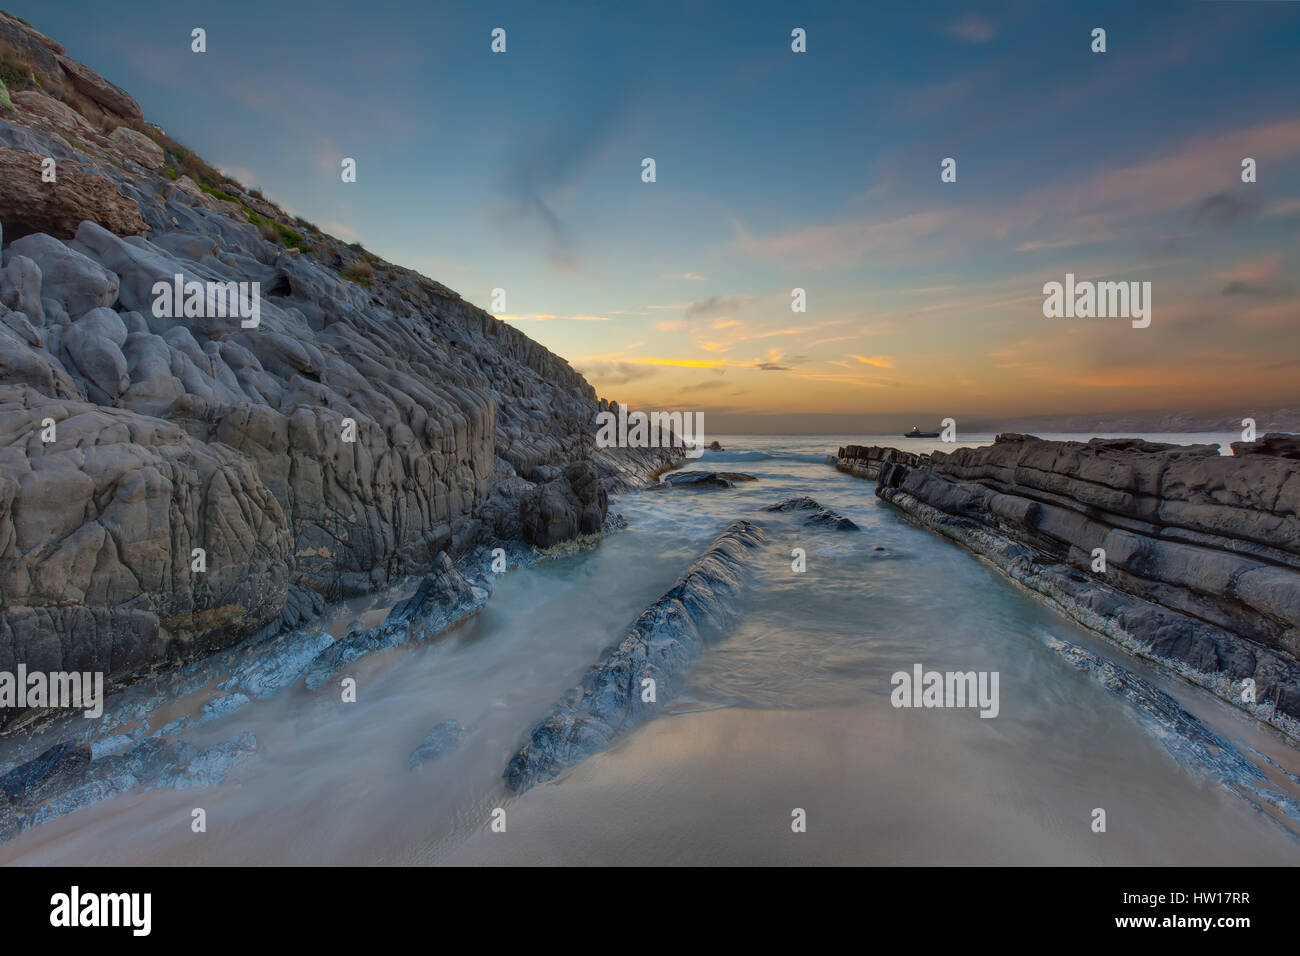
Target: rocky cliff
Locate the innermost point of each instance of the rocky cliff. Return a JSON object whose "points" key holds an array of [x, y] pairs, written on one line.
{"points": [[173, 485], [1182, 555]]}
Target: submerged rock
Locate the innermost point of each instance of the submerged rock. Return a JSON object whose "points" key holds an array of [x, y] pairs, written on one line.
{"points": [[444, 738], [279, 666], [1184, 736], [817, 514], [220, 707], [442, 599], [66, 779], [27, 781], [704, 479], [659, 646]]}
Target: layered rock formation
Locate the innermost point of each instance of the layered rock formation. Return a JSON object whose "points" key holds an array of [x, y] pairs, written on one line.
{"points": [[658, 646], [173, 485], [1183, 556]]}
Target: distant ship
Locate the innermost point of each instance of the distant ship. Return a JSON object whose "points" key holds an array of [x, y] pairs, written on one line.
{"points": [[917, 433]]}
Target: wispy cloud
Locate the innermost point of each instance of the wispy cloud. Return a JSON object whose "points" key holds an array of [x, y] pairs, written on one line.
{"points": [[548, 170], [972, 28], [717, 305], [879, 361], [1070, 212]]}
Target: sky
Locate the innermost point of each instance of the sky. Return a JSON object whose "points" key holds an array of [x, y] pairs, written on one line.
{"points": [[774, 171]]}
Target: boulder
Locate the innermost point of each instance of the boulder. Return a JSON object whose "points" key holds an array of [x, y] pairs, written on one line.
{"points": [[29, 205], [20, 287], [77, 282], [572, 504], [704, 479], [137, 147], [94, 348], [50, 114], [92, 85]]}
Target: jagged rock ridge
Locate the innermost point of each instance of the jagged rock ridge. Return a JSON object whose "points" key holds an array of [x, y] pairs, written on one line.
{"points": [[657, 648], [1201, 551]]}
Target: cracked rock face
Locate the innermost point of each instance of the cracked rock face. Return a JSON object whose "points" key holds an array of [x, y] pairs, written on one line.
{"points": [[171, 484]]}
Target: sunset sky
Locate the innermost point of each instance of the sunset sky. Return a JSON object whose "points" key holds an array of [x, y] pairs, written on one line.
{"points": [[778, 170]]}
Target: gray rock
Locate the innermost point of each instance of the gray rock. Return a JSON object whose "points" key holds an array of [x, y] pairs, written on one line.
{"points": [[442, 599], [444, 738], [222, 706], [93, 346], [563, 508], [18, 323], [1278, 444], [26, 783], [279, 665], [137, 147], [155, 762], [77, 282], [815, 513], [659, 646], [178, 433], [209, 767], [109, 746], [20, 287], [704, 479]]}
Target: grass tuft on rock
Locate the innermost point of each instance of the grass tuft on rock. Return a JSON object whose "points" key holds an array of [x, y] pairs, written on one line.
{"points": [[359, 271]]}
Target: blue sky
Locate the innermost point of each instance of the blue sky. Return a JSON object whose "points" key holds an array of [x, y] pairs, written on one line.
{"points": [[778, 170]]}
